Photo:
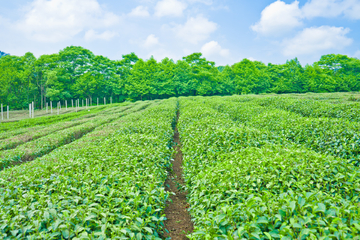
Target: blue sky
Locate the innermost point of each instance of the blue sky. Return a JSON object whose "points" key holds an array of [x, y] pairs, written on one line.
{"points": [[225, 31]]}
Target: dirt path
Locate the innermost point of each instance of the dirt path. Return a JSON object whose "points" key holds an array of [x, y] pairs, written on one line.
{"points": [[178, 221]]}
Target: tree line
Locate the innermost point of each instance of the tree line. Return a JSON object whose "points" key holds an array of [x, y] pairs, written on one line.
{"points": [[76, 73]]}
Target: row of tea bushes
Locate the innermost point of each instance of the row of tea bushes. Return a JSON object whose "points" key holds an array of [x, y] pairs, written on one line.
{"points": [[48, 143], [313, 108], [111, 188], [47, 120], [32, 134], [244, 186], [338, 137]]}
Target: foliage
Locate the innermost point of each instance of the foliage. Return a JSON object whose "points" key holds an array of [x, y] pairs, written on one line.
{"points": [[313, 108], [8, 127], [250, 183], [107, 184], [77, 73], [2, 54], [335, 136]]}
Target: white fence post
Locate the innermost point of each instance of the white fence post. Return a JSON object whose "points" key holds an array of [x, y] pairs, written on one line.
{"points": [[30, 111], [104, 101], [33, 110], [2, 112], [110, 100], [97, 102], [47, 108], [8, 112]]}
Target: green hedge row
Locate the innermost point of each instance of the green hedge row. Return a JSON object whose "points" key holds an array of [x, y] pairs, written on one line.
{"points": [[313, 108], [110, 186], [43, 145], [245, 185], [338, 137]]}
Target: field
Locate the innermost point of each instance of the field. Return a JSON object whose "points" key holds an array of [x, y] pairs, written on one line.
{"points": [[234, 167], [16, 115]]}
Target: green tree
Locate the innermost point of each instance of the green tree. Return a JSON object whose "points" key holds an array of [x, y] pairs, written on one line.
{"points": [[250, 77]]}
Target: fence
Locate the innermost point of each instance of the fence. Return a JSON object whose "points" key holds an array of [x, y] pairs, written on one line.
{"points": [[15, 115]]}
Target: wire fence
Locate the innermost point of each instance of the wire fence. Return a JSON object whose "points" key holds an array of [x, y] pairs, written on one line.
{"points": [[50, 108]]}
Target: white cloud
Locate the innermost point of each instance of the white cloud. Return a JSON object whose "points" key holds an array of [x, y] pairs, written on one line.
{"points": [[315, 40], [139, 11], [93, 35], [206, 2], [151, 41], [323, 8], [195, 29], [251, 59], [279, 18], [173, 8], [357, 54], [160, 54], [58, 20], [213, 48], [353, 11], [332, 8]]}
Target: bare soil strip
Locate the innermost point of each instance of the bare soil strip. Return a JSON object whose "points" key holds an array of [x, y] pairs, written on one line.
{"points": [[178, 223]]}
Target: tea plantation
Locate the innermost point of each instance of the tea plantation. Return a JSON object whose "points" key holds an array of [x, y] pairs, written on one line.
{"points": [[254, 167]]}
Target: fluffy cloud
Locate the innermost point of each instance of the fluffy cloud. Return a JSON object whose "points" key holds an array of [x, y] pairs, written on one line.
{"points": [[357, 54], [58, 20], [195, 29], [213, 48], [278, 18], [93, 35], [315, 40], [160, 54], [206, 2], [151, 41], [172, 8], [332, 8], [139, 11]]}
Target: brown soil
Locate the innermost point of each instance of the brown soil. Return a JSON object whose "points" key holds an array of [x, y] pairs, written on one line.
{"points": [[178, 223]]}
